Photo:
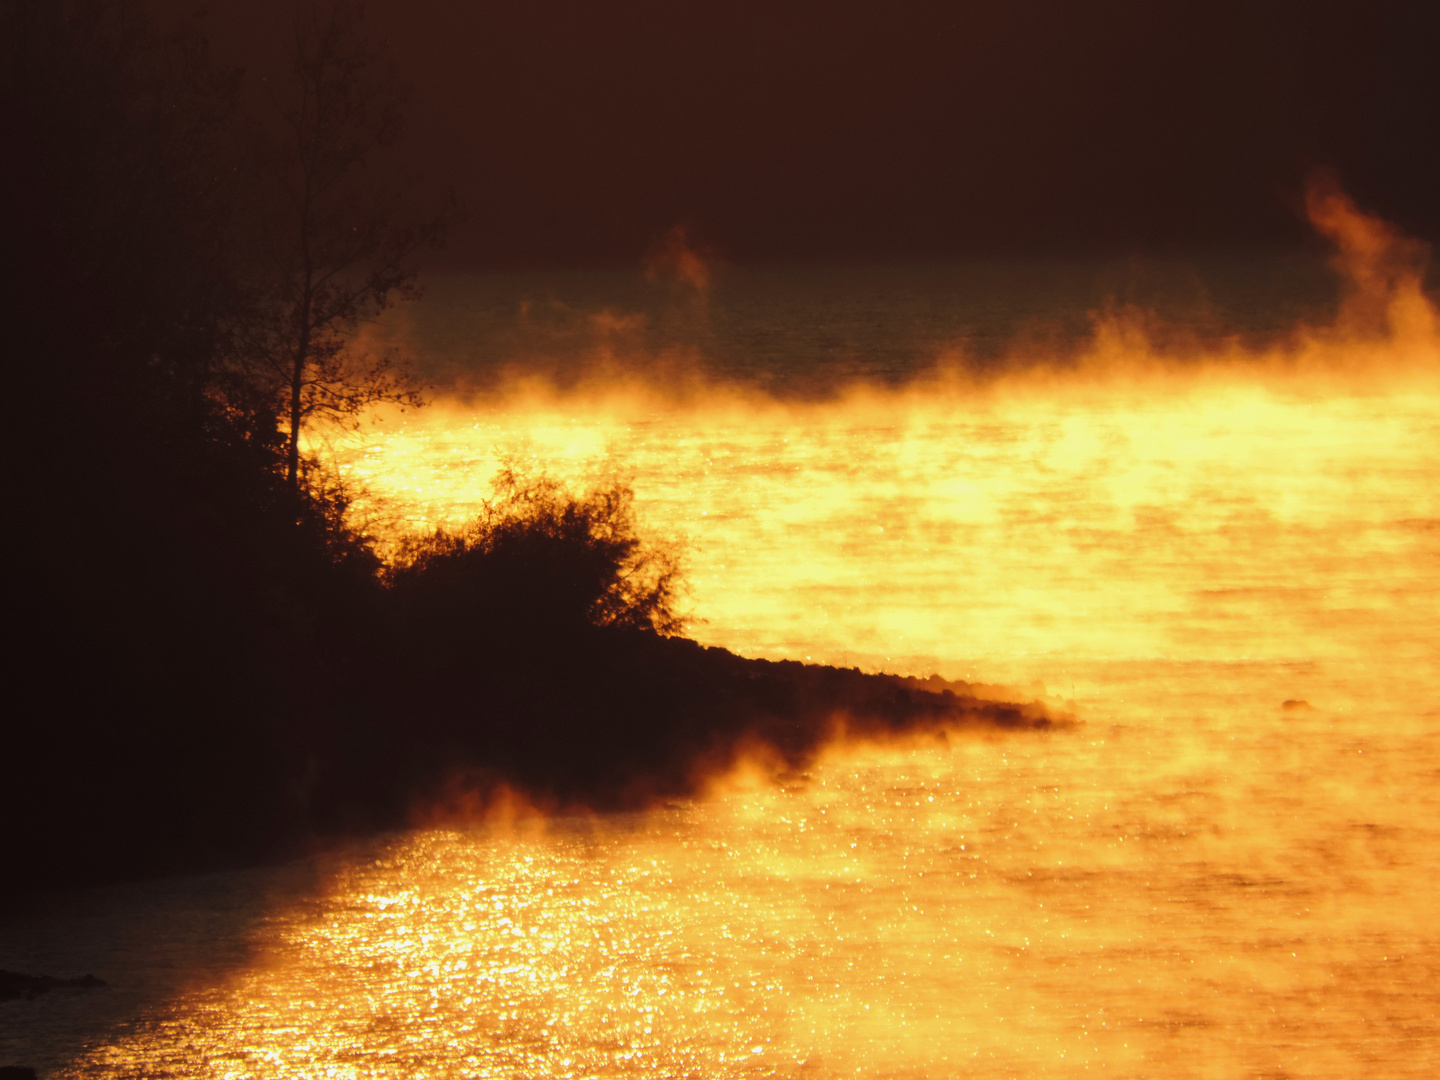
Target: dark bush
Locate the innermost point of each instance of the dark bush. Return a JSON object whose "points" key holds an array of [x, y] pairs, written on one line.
{"points": [[538, 560]]}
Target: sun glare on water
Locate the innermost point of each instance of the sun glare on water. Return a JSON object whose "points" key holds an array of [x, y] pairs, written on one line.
{"points": [[1230, 563]]}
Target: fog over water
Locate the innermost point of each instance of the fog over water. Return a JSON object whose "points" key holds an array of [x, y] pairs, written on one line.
{"points": [[1224, 552]]}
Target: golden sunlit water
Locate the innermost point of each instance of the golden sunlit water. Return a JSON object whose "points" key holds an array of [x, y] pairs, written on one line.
{"points": [[1230, 565]]}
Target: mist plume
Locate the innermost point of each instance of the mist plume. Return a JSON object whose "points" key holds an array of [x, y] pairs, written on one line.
{"points": [[675, 258], [1383, 270]]}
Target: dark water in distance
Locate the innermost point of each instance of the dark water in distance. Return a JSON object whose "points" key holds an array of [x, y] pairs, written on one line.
{"points": [[800, 331]]}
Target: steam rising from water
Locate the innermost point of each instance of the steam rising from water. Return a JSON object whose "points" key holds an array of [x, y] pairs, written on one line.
{"points": [[1211, 505], [1230, 559]]}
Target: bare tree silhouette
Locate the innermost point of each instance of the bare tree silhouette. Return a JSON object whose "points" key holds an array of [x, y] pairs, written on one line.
{"points": [[340, 236]]}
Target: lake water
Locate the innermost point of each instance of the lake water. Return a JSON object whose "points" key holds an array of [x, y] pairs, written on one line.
{"points": [[1225, 552]]}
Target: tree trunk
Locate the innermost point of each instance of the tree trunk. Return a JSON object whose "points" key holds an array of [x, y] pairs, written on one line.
{"points": [[297, 386]]}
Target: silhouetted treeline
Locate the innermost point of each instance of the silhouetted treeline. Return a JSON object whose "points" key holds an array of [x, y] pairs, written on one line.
{"points": [[174, 604], [207, 664]]}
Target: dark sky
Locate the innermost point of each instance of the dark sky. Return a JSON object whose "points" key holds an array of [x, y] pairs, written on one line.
{"points": [[577, 133]]}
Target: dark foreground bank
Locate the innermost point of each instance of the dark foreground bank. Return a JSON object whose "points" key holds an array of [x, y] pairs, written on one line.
{"points": [[200, 751]]}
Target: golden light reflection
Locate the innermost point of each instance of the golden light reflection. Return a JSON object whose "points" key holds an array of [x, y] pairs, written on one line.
{"points": [[938, 533], [1209, 878]]}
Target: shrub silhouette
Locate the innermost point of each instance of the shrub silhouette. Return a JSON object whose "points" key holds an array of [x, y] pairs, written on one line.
{"points": [[538, 560]]}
